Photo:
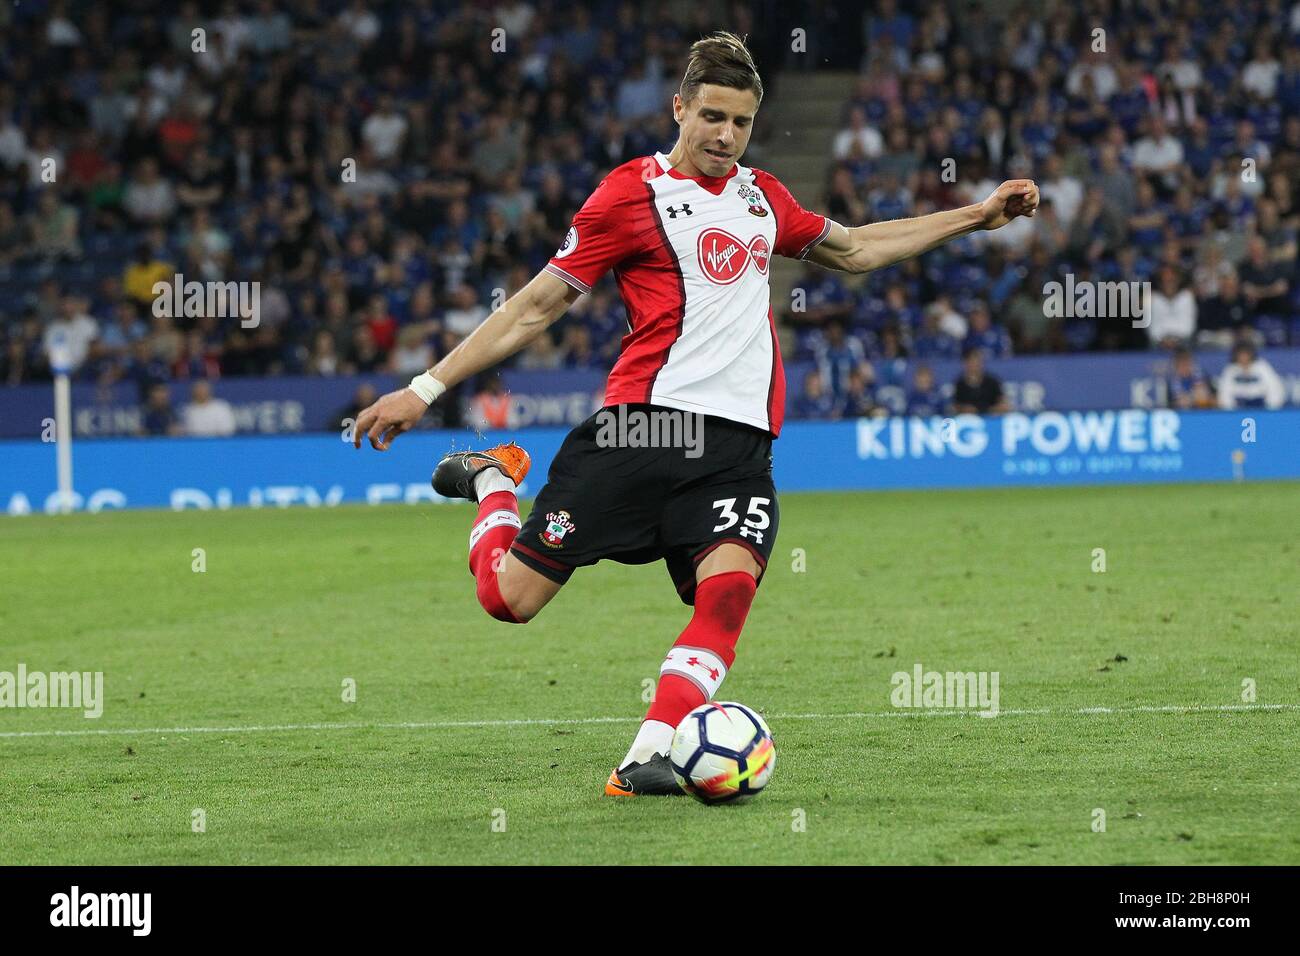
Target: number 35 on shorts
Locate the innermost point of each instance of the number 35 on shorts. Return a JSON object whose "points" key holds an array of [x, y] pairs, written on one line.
{"points": [[756, 520]]}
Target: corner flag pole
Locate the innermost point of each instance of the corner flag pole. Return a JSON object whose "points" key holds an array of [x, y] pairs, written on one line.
{"points": [[60, 364]]}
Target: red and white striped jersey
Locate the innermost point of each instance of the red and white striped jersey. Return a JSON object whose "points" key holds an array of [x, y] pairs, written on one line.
{"points": [[691, 257]]}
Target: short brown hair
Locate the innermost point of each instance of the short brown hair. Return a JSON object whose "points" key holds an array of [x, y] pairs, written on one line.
{"points": [[722, 60]]}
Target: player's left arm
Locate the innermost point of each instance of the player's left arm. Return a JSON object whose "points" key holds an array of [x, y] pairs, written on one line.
{"points": [[881, 244]]}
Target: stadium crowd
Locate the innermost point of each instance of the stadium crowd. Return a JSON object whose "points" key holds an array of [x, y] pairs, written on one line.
{"points": [[388, 174]]}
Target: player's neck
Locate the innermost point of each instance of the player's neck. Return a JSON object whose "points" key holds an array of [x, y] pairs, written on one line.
{"points": [[679, 160]]}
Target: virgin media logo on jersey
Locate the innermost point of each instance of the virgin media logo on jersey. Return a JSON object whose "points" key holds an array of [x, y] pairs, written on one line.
{"points": [[724, 258]]}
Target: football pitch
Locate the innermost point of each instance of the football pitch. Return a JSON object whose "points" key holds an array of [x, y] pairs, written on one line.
{"points": [[1149, 714]]}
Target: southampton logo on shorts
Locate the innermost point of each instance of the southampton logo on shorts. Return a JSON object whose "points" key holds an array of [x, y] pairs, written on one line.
{"points": [[558, 524], [754, 199]]}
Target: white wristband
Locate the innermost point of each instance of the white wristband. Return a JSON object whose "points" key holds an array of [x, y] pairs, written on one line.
{"points": [[427, 387]]}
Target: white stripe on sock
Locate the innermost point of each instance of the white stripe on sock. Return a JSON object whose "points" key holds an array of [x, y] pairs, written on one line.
{"points": [[696, 664], [494, 520]]}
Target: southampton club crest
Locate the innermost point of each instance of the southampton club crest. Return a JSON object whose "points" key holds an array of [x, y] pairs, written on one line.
{"points": [[558, 524], [755, 201]]}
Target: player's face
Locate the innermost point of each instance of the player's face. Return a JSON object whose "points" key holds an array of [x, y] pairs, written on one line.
{"points": [[715, 126]]}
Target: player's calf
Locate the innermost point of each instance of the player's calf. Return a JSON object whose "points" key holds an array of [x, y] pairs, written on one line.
{"points": [[691, 673], [491, 479]]}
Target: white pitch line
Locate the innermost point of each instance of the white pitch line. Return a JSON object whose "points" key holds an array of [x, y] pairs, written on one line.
{"points": [[532, 721]]}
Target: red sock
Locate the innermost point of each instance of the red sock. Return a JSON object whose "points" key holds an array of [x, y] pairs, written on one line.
{"points": [[494, 530], [698, 661]]}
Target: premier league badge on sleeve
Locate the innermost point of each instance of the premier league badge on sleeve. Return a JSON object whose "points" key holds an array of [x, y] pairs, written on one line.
{"points": [[569, 244]]}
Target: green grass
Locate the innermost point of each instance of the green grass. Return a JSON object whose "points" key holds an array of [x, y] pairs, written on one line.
{"points": [[1199, 594]]}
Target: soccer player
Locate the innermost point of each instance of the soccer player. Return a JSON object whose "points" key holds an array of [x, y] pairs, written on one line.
{"points": [[689, 236]]}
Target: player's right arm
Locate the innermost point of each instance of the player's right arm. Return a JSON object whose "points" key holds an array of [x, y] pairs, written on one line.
{"points": [[523, 317], [610, 226]]}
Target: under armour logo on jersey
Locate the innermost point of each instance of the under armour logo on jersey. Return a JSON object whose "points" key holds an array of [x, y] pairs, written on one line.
{"points": [[673, 210]]}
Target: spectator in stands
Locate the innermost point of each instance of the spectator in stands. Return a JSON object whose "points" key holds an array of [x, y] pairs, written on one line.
{"points": [[1225, 317], [542, 353], [362, 398], [1261, 73], [13, 237], [858, 399], [381, 324], [324, 358], [53, 228], [490, 407], [837, 355], [1147, 220], [1186, 386], [1114, 183], [814, 400], [931, 343], [144, 273], [859, 138], [1278, 236], [159, 418], [1249, 381], [924, 396], [1159, 153], [413, 353], [818, 297], [149, 198], [976, 390], [466, 312], [1264, 281], [1064, 190], [145, 368], [206, 416], [363, 356], [984, 335], [577, 349], [18, 366], [384, 131], [1171, 311], [845, 206]]}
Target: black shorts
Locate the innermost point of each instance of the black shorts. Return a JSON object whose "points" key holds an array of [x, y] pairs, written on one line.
{"points": [[611, 496]]}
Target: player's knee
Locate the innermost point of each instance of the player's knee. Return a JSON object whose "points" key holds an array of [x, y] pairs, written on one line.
{"points": [[526, 603], [497, 604], [507, 599], [524, 591]]}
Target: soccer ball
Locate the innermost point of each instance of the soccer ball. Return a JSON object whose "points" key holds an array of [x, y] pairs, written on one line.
{"points": [[722, 752]]}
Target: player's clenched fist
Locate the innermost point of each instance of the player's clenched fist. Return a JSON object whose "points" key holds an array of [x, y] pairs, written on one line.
{"points": [[1015, 197], [388, 417]]}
